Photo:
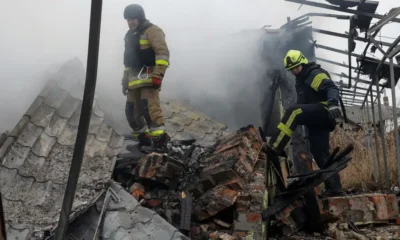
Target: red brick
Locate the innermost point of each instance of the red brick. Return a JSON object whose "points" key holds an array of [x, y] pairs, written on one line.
{"points": [[195, 230], [371, 208], [155, 166], [153, 203], [214, 201], [242, 206], [254, 217], [398, 221], [241, 150]]}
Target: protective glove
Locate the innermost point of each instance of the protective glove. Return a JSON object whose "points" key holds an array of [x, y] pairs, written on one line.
{"points": [[125, 82], [156, 82], [335, 111], [124, 90]]}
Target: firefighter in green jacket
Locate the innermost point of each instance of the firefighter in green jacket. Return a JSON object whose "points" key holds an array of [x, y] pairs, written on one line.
{"points": [[146, 59]]}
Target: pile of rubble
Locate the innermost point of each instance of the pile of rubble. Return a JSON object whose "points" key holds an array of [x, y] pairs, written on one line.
{"points": [[222, 186], [218, 192]]}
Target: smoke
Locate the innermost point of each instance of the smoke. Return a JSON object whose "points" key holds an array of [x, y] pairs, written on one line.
{"points": [[211, 67], [41, 35]]}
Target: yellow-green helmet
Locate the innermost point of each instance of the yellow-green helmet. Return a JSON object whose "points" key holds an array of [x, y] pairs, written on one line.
{"points": [[293, 59]]}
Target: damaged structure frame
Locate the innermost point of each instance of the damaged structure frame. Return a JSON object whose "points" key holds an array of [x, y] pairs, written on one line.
{"points": [[352, 94], [348, 92]]}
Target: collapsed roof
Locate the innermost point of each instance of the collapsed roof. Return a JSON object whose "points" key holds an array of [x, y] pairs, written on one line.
{"points": [[36, 156]]}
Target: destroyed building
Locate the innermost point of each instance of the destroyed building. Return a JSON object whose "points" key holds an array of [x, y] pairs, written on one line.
{"points": [[214, 182]]}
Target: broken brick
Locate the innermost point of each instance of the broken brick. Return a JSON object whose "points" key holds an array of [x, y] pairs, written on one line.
{"points": [[254, 217], [364, 208], [234, 155], [157, 167], [137, 191], [153, 203], [222, 223], [195, 230], [214, 201]]}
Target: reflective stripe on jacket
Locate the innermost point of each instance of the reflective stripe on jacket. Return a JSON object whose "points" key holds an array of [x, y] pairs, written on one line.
{"points": [[152, 41]]}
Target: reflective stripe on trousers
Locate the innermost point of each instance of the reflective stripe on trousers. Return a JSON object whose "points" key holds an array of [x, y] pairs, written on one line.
{"points": [[285, 128]]}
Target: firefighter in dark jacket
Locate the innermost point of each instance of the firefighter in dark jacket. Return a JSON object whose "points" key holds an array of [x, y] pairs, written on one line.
{"points": [[146, 59], [317, 108]]}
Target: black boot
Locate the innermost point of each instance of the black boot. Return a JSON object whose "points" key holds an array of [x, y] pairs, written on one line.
{"points": [[333, 187], [332, 193], [158, 144], [144, 139]]}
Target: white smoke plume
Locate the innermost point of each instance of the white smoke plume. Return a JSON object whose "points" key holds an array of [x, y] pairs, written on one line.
{"points": [[205, 58]]}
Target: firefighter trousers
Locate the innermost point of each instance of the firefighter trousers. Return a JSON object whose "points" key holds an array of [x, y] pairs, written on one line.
{"points": [[143, 110], [319, 124]]}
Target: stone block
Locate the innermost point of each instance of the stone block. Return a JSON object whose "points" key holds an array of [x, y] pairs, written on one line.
{"points": [[362, 209]]}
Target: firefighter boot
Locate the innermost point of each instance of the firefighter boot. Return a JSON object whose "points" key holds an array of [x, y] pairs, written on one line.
{"points": [[158, 144], [333, 187], [144, 139]]}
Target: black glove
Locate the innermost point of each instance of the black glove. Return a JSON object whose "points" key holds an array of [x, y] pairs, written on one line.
{"points": [[335, 111], [125, 81]]}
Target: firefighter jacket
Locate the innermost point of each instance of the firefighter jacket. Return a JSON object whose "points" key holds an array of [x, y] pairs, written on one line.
{"points": [[146, 55], [314, 85]]}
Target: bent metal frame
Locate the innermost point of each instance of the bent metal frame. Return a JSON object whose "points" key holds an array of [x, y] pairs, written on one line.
{"points": [[364, 93]]}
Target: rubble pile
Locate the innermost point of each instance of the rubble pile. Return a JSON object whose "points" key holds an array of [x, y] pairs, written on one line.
{"points": [[208, 193], [218, 192]]}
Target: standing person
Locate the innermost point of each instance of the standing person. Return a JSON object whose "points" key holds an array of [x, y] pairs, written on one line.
{"points": [[146, 59], [317, 108]]}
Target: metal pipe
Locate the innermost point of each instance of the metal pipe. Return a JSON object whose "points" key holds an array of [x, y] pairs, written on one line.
{"points": [[363, 57], [3, 233], [389, 50], [385, 20], [382, 133], [376, 142], [349, 40], [345, 52], [394, 108], [343, 17], [374, 167], [343, 75], [84, 121], [335, 63], [346, 10], [349, 99], [342, 35]]}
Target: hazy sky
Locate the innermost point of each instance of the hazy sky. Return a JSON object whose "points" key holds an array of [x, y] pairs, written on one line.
{"points": [[37, 34]]}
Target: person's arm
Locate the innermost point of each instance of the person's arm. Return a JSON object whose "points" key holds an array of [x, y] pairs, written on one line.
{"points": [[322, 83], [157, 41]]}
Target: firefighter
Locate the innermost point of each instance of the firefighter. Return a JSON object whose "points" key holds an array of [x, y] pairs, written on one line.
{"points": [[317, 108], [146, 59]]}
